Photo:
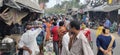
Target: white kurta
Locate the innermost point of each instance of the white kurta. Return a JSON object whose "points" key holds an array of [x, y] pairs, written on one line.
{"points": [[65, 44], [29, 39]]}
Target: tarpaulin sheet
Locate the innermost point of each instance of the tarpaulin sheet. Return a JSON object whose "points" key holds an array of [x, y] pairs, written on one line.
{"points": [[13, 16], [35, 7]]}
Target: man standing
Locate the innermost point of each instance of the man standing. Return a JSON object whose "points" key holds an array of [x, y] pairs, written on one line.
{"points": [[55, 38], [107, 23], [28, 41], [40, 38], [61, 31], [78, 43]]}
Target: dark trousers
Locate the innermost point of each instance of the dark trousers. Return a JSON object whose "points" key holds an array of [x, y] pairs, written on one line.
{"points": [[55, 46]]}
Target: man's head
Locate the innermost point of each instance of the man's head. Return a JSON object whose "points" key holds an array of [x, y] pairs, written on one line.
{"points": [[54, 23], [106, 30], [74, 26], [43, 20], [61, 23], [101, 24], [29, 26], [83, 25], [39, 23]]}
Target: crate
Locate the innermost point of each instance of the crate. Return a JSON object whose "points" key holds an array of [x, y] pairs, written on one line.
{"points": [[7, 48]]}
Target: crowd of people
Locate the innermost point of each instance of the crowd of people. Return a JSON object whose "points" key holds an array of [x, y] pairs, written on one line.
{"points": [[69, 36]]}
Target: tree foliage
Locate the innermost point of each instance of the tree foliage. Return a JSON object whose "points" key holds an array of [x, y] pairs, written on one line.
{"points": [[61, 8]]}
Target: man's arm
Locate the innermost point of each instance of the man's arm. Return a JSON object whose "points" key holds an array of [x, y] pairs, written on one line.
{"points": [[27, 49], [22, 45], [98, 43], [37, 31], [113, 46]]}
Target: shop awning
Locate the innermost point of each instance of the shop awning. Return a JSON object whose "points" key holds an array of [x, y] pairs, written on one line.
{"points": [[12, 16], [106, 8], [33, 7], [12, 3], [19, 4], [103, 8]]}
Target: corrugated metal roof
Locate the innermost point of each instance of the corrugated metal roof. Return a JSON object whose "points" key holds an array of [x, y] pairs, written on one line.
{"points": [[30, 5], [18, 4], [12, 3], [104, 8]]}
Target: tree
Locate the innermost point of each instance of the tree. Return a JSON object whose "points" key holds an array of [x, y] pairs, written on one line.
{"points": [[57, 6], [64, 6]]}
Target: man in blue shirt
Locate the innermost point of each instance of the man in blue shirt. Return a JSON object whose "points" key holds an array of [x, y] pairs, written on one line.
{"points": [[107, 23]]}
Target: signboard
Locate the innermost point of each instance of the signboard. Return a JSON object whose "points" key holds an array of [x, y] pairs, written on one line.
{"points": [[109, 1], [119, 11]]}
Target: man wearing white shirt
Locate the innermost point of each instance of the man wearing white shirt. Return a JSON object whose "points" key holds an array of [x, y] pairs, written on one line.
{"points": [[78, 44], [28, 41], [65, 44]]}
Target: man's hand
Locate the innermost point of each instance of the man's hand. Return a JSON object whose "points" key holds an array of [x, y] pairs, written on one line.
{"points": [[27, 49], [30, 51], [105, 51], [109, 49]]}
